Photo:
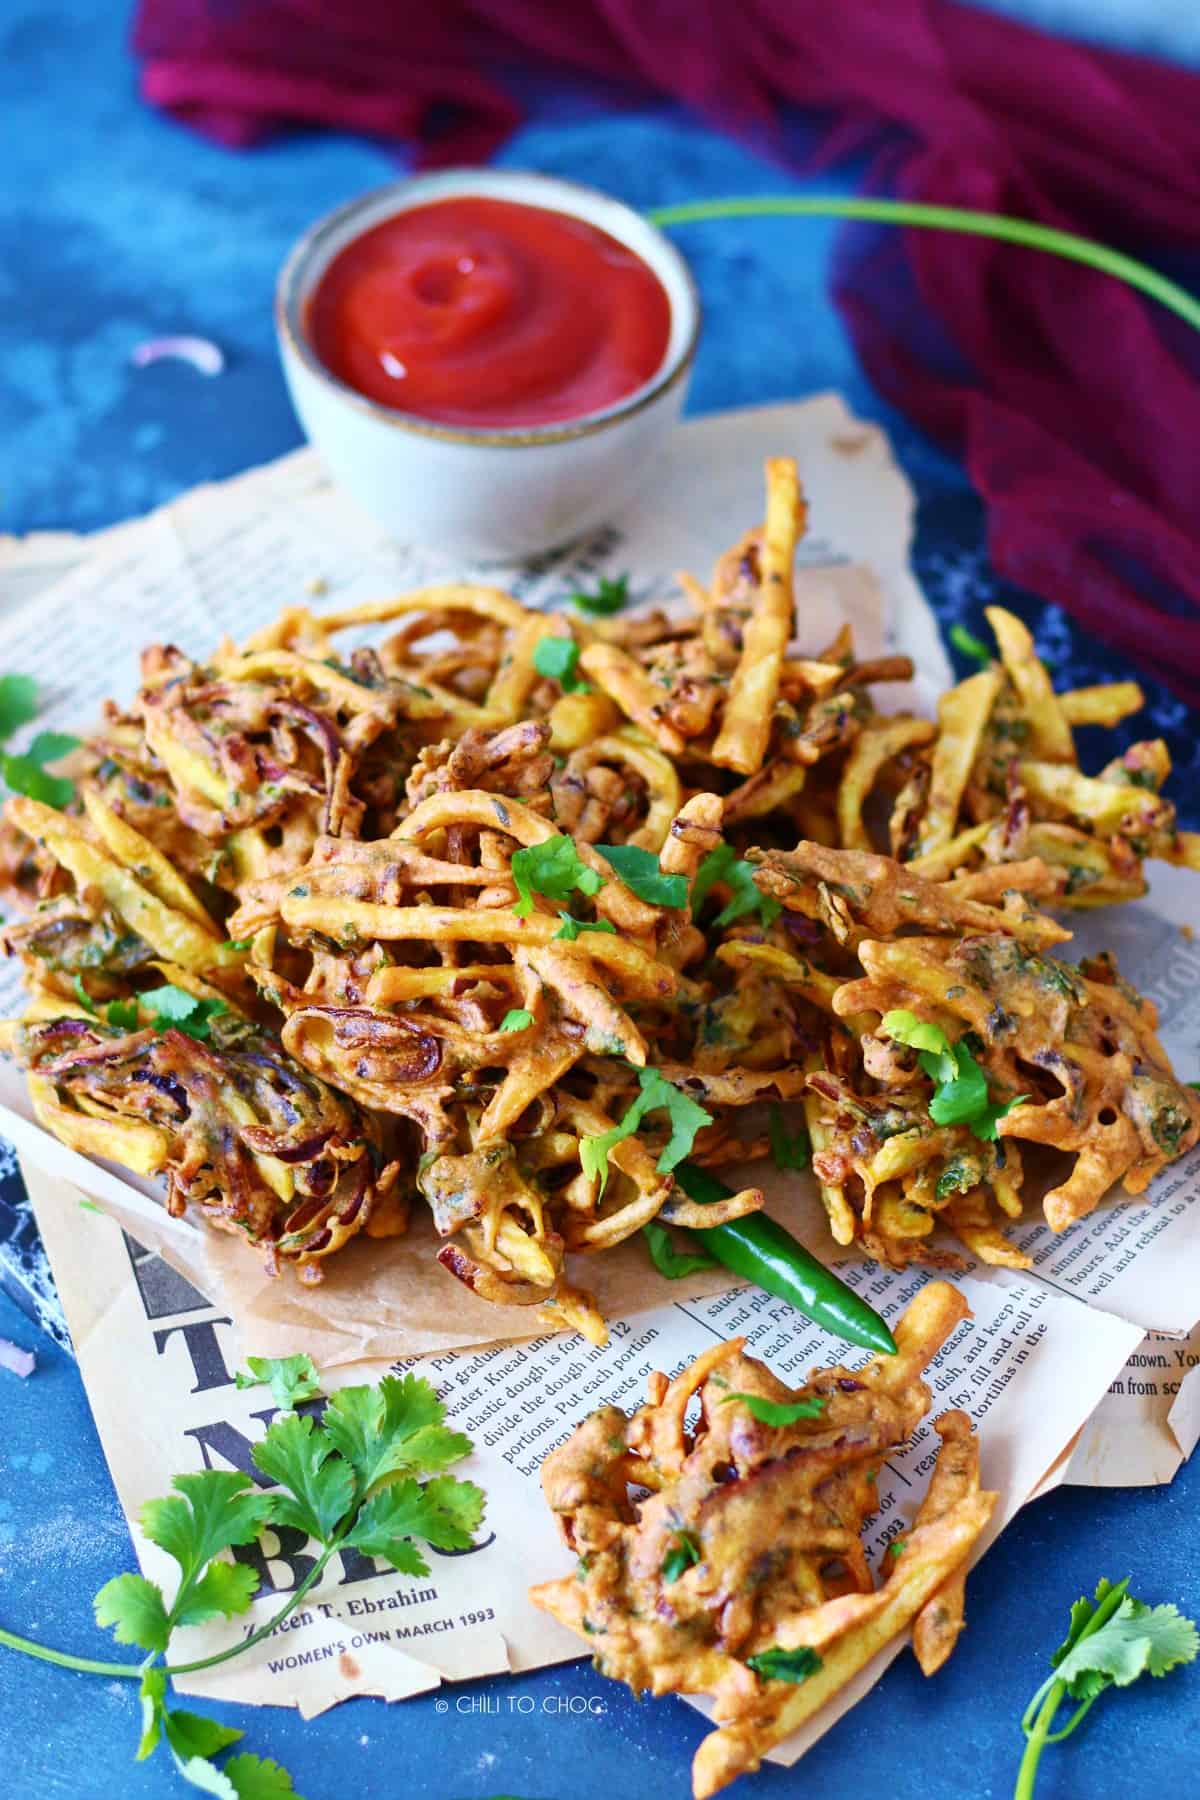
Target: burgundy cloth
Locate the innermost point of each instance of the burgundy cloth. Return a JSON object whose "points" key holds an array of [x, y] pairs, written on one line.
{"points": [[1074, 401]]}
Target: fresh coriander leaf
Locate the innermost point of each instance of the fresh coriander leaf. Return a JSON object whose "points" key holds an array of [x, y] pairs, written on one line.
{"points": [[173, 1008], [570, 927], [683, 1555], [713, 869], [136, 1611], [459, 1508], [1136, 1640], [435, 1447], [779, 1412], [612, 593], [769, 910], [785, 1665], [1082, 1613], [198, 1772], [639, 870], [396, 1427], [971, 646], [789, 1150], [18, 703], [745, 896], [518, 1018], [686, 1117], [984, 1126], [291, 1379], [51, 746], [553, 868], [82, 995], [896, 1547], [410, 1405], [960, 1086], [238, 944], [303, 1460], [171, 1004], [1173, 1639], [223, 1591], [122, 1015], [724, 865], [24, 776], [209, 1512], [152, 1693], [657, 1094], [669, 1261], [444, 1512], [192, 1734], [594, 1151], [916, 1034], [965, 1097], [258, 1778], [556, 658]]}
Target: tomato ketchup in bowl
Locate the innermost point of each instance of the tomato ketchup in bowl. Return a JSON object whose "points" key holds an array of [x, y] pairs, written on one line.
{"points": [[487, 360], [478, 311]]}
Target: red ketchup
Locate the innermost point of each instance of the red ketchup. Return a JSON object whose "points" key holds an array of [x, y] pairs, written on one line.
{"points": [[489, 313]]}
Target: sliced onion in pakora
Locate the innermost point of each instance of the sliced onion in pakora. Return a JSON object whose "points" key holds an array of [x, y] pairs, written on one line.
{"points": [[241, 1132]]}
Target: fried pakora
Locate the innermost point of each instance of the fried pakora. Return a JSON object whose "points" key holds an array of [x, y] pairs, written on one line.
{"points": [[725, 1557], [550, 903], [1053, 1053]]}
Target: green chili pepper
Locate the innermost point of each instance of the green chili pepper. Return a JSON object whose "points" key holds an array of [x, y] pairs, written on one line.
{"points": [[762, 1251]]}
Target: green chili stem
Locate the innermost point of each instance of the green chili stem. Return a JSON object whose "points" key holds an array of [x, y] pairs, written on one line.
{"points": [[948, 218]]}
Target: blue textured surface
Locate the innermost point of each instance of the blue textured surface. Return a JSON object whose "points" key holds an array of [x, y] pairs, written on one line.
{"points": [[118, 226]]}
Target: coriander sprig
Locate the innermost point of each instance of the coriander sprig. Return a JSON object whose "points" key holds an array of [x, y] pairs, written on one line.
{"points": [[350, 1479], [1111, 1642]]}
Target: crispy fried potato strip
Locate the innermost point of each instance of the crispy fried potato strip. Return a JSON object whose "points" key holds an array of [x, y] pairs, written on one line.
{"points": [[742, 740]]}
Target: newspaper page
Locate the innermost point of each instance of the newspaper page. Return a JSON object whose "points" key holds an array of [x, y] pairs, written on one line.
{"points": [[1029, 1366]]}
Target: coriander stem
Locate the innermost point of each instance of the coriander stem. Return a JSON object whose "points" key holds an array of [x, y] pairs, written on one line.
{"points": [[256, 1637], [134, 1671], [1036, 1742], [948, 218], [130, 1671]]}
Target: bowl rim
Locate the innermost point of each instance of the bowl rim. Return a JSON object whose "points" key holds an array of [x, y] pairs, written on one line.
{"points": [[291, 289]]}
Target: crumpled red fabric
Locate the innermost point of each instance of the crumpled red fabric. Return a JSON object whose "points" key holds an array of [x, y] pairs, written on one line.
{"points": [[1074, 401]]}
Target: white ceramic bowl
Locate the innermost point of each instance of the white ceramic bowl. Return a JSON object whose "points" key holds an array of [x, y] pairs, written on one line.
{"points": [[467, 491]]}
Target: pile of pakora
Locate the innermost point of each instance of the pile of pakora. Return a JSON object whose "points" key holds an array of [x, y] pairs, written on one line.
{"points": [[726, 1558], [443, 900]]}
